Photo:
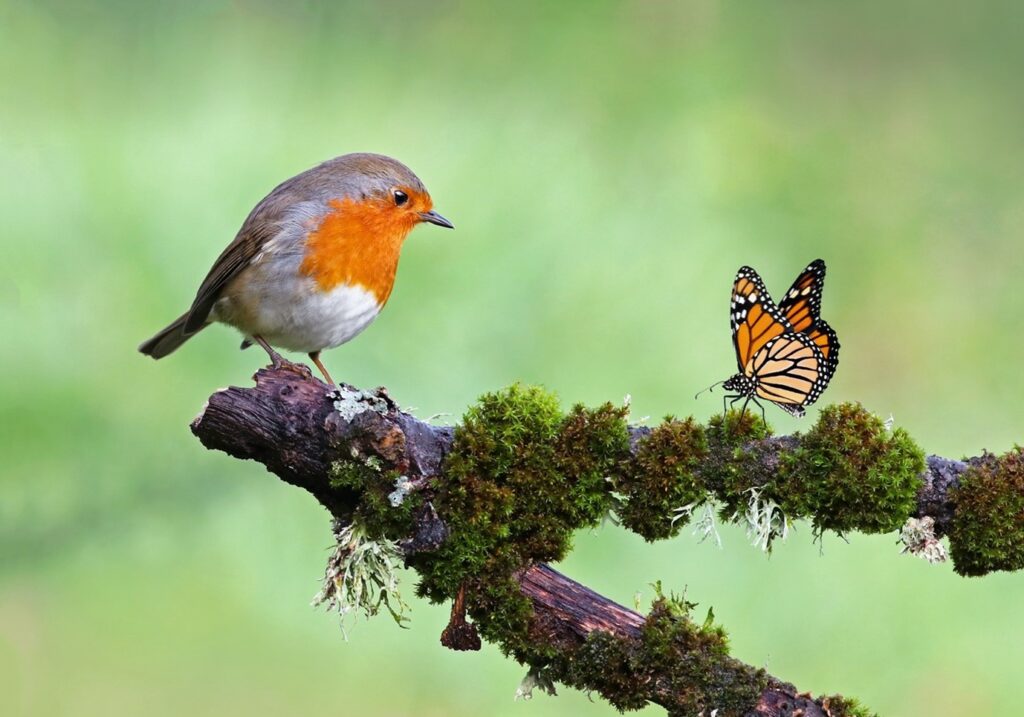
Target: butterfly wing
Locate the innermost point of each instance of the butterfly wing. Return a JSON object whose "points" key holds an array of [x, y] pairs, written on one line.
{"points": [[827, 342], [802, 303], [791, 372], [754, 318]]}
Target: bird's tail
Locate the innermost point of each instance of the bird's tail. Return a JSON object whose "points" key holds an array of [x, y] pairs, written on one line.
{"points": [[168, 340]]}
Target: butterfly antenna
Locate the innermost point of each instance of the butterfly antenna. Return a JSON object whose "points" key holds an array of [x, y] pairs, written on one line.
{"points": [[719, 383]]}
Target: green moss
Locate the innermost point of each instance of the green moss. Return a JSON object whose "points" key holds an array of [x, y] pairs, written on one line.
{"points": [[695, 659], [375, 511], [501, 612], [520, 478], [604, 664], [988, 527], [592, 449], [739, 458], [735, 429], [663, 477], [501, 464], [839, 706], [352, 474], [682, 665], [850, 473]]}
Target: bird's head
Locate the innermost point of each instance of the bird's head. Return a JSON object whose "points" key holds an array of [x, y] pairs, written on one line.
{"points": [[381, 194]]}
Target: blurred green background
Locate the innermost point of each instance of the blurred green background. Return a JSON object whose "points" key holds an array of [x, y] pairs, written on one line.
{"points": [[609, 166]]}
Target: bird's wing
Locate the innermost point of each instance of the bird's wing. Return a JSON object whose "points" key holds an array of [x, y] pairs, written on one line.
{"points": [[239, 254], [293, 206]]}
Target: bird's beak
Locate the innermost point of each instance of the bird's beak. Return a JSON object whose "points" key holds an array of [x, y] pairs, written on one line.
{"points": [[435, 218]]}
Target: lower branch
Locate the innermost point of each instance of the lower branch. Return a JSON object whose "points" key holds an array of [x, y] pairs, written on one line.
{"points": [[570, 613]]}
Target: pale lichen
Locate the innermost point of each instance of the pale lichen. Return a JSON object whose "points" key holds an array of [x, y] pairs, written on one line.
{"points": [[536, 679], [402, 488], [350, 402], [361, 576], [918, 538], [704, 526], [765, 521]]}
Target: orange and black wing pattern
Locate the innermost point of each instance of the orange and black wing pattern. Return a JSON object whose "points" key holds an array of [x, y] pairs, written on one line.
{"points": [[802, 303], [754, 318], [791, 372], [827, 341]]}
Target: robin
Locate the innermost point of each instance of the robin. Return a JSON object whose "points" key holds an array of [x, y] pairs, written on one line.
{"points": [[314, 262]]}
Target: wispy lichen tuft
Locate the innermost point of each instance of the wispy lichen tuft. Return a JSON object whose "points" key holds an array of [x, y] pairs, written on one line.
{"points": [[704, 525], [536, 679], [765, 520], [361, 576]]}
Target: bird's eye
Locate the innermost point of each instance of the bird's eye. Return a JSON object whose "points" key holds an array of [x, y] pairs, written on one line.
{"points": [[400, 197]]}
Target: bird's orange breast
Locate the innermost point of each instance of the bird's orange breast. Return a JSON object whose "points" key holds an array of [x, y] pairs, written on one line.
{"points": [[357, 243]]}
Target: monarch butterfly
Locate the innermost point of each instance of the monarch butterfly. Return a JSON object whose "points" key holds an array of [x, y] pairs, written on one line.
{"points": [[786, 354]]}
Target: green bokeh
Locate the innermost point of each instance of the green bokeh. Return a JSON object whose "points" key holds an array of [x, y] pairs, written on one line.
{"points": [[608, 166]]}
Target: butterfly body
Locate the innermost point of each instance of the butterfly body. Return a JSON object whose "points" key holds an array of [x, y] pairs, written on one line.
{"points": [[786, 354]]}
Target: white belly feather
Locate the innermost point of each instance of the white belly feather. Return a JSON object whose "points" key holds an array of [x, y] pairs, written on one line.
{"points": [[319, 320], [294, 313]]}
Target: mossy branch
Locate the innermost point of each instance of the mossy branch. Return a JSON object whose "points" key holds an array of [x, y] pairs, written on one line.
{"points": [[477, 509]]}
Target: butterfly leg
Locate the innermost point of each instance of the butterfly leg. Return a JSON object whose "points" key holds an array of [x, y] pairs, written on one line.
{"points": [[743, 410], [732, 403]]}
